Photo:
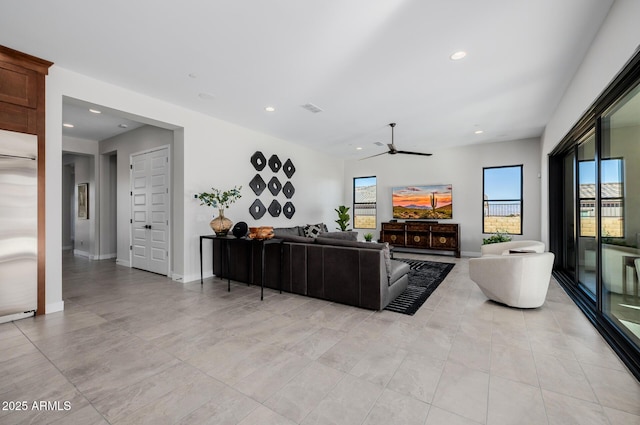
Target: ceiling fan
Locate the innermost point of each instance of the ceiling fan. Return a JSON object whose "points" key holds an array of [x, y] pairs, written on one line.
{"points": [[392, 147]]}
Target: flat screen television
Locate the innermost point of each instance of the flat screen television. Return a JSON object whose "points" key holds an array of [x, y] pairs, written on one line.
{"points": [[422, 202]]}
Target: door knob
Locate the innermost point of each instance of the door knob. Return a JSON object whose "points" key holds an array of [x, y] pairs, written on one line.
{"points": [[147, 226]]}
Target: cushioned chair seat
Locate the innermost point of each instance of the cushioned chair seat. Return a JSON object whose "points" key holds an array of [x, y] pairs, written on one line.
{"points": [[517, 280]]}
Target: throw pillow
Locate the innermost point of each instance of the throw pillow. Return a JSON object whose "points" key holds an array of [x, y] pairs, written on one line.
{"points": [[313, 230]]}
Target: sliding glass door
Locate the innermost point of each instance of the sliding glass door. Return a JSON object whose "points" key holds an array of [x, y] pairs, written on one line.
{"points": [[594, 214], [620, 212], [586, 240]]}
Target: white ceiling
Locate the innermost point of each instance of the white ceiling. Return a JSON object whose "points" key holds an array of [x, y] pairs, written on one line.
{"points": [[366, 63]]}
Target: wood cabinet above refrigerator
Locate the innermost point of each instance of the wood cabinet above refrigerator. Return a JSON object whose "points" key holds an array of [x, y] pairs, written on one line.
{"points": [[22, 109]]}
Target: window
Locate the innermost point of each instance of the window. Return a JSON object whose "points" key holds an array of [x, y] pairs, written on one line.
{"points": [[364, 203], [502, 203], [611, 198]]}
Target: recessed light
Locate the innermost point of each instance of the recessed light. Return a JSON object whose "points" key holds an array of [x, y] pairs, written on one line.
{"points": [[206, 96], [123, 126], [270, 109], [66, 124], [458, 55], [478, 132], [95, 111], [359, 148]]}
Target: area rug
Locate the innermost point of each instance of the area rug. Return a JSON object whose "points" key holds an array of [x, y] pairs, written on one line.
{"points": [[424, 278]]}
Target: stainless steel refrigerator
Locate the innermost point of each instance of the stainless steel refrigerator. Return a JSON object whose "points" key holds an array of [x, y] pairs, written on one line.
{"points": [[18, 225]]}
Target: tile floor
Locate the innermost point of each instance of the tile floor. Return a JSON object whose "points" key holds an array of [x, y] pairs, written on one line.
{"points": [[136, 348]]}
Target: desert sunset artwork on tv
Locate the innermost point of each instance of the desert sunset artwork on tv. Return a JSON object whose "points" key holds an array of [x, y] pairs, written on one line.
{"points": [[422, 202]]}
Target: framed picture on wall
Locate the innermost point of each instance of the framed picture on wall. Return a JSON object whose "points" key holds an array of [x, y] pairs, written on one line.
{"points": [[83, 201]]}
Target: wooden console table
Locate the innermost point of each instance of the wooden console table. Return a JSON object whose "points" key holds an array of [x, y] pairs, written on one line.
{"points": [[225, 260], [421, 235]]}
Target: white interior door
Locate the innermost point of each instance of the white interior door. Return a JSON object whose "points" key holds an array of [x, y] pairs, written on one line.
{"points": [[150, 211]]}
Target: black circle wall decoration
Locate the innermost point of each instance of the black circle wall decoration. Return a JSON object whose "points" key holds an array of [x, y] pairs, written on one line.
{"points": [[274, 163], [275, 209], [240, 229], [257, 209], [258, 160], [288, 190], [288, 210], [257, 184], [274, 186], [288, 168]]}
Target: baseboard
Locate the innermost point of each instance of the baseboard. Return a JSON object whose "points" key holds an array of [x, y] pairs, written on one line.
{"points": [[106, 256], [177, 277], [81, 253], [16, 316], [123, 263], [53, 307], [470, 254], [196, 277], [67, 248]]}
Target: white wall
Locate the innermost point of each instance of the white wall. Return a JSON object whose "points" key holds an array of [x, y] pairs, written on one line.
{"points": [[462, 168], [614, 45], [207, 152], [124, 145]]}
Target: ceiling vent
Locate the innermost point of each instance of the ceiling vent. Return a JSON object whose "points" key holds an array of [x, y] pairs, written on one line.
{"points": [[379, 143], [312, 108]]}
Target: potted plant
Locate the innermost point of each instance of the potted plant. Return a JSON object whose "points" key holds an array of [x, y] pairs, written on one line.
{"points": [[343, 217], [500, 236], [368, 237], [220, 199]]}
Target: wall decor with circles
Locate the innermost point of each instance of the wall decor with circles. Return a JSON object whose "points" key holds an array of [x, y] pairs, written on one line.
{"points": [[275, 186]]}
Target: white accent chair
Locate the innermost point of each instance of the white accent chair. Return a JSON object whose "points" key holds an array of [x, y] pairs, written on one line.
{"points": [[517, 280], [503, 248]]}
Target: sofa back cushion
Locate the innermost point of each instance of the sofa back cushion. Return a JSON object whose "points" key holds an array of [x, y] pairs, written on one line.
{"points": [[347, 236], [280, 232]]}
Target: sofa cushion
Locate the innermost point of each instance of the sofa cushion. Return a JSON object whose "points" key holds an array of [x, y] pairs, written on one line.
{"points": [[347, 236], [314, 230], [351, 244], [398, 269], [279, 232], [295, 238]]}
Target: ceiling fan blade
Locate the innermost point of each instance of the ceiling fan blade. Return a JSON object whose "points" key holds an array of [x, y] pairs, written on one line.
{"points": [[414, 153], [367, 157]]}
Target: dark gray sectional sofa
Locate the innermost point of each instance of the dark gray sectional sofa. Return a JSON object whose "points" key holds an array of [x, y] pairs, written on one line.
{"points": [[329, 267]]}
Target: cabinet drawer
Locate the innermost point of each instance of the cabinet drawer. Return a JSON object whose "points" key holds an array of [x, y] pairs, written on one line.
{"points": [[392, 226], [443, 240], [444, 228], [418, 227], [17, 118], [394, 238], [418, 240]]}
